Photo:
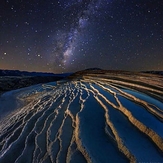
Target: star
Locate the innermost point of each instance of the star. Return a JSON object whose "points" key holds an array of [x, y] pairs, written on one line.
{"points": [[77, 34]]}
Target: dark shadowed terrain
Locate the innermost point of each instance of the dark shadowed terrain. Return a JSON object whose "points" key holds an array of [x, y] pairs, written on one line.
{"points": [[10, 79]]}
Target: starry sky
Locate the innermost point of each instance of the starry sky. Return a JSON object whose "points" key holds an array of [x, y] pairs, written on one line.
{"points": [[69, 35]]}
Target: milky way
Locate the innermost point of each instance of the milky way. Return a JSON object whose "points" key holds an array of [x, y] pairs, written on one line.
{"points": [[66, 36], [67, 41]]}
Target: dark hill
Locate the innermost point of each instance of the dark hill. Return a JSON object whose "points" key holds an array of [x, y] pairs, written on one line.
{"points": [[15, 79]]}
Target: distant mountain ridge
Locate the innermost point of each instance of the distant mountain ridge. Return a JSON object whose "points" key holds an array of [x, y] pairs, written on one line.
{"points": [[154, 72], [32, 74], [26, 73]]}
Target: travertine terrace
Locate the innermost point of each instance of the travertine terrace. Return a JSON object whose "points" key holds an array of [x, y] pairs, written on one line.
{"points": [[93, 116]]}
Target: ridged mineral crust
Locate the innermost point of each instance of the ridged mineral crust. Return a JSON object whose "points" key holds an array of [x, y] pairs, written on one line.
{"points": [[97, 117]]}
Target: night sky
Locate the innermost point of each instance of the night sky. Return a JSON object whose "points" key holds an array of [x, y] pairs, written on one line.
{"points": [[69, 35]]}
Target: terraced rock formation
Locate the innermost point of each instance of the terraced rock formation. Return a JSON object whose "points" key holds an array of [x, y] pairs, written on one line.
{"points": [[94, 117]]}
